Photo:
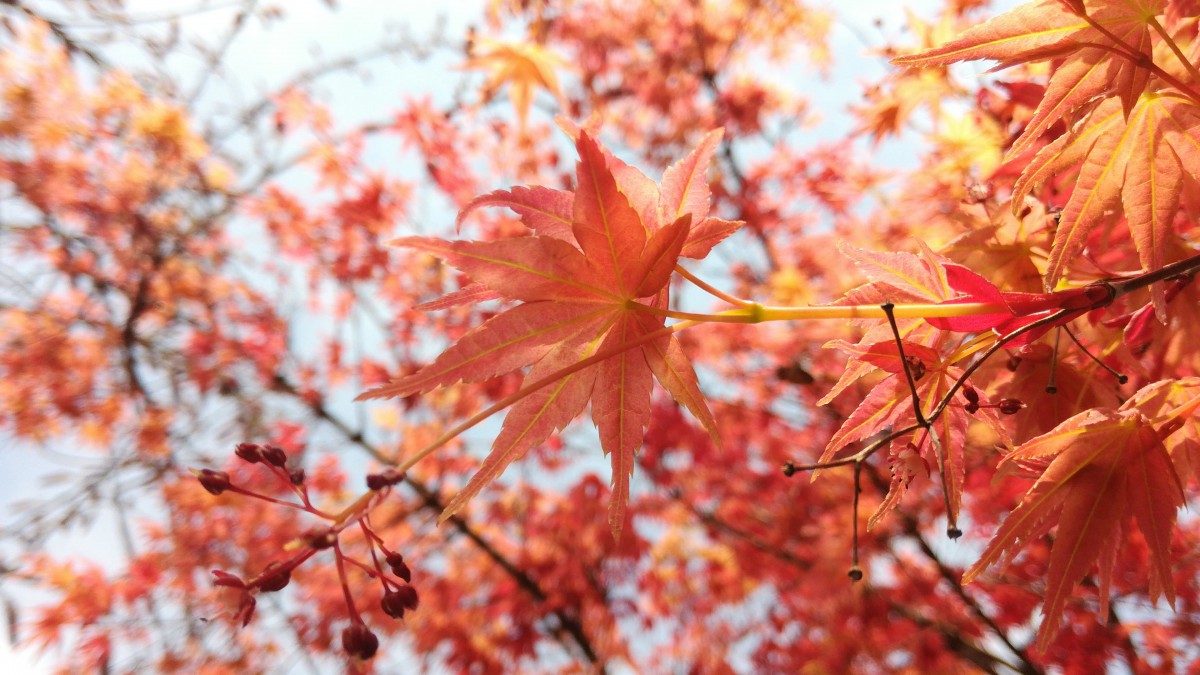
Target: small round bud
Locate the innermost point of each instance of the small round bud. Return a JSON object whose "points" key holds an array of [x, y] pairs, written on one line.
{"points": [[401, 571], [296, 477], [978, 192], [972, 397], [789, 469], [385, 478], [248, 452], [274, 455], [274, 577], [396, 603], [399, 568], [319, 538], [359, 641], [855, 573], [1010, 406], [215, 482]]}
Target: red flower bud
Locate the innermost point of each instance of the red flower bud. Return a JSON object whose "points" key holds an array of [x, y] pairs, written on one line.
{"points": [[246, 609], [248, 452], [274, 455], [399, 568], [215, 482], [359, 641], [1010, 406], [385, 478], [396, 603], [297, 477], [274, 577], [319, 538], [972, 397]]}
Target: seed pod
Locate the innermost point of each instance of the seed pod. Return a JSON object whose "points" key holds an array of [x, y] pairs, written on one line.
{"points": [[319, 538], [399, 568], [916, 367], [972, 397]]}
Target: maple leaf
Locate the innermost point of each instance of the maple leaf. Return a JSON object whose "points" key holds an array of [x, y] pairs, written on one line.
{"points": [[598, 258], [523, 66], [1137, 160], [1104, 466], [1175, 400], [1084, 46], [550, 212], [893, 277], [889, 405]]}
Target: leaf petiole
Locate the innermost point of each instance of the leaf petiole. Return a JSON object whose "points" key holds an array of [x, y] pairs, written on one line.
{"points": [[710, 289], [756, 313], [1166, 37]]}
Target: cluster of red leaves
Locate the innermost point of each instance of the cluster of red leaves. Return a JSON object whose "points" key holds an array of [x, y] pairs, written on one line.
{"points": [[1051, 204]]}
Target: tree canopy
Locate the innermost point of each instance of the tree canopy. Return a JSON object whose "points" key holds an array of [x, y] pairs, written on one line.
{"points": [[618, 346]]}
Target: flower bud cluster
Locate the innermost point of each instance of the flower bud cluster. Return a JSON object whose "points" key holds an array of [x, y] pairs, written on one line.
{"points": [[1006, 406], [399, 596]]}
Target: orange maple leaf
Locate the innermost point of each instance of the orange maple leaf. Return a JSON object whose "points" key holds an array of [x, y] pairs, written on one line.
{"points": [[523, 66], [1105, 467], [589, 279], [1084, 46], [1137, 160]]}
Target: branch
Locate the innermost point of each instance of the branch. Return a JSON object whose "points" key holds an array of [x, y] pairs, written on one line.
{"points": [[911, 528], [72, 46]]}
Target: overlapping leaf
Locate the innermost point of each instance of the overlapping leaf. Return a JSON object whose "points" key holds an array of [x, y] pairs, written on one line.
{"points": [[1093, 61], [1136, 161], [1105, 467], [889, 406], [1135, 144], [893, 277], [597, 255]]}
